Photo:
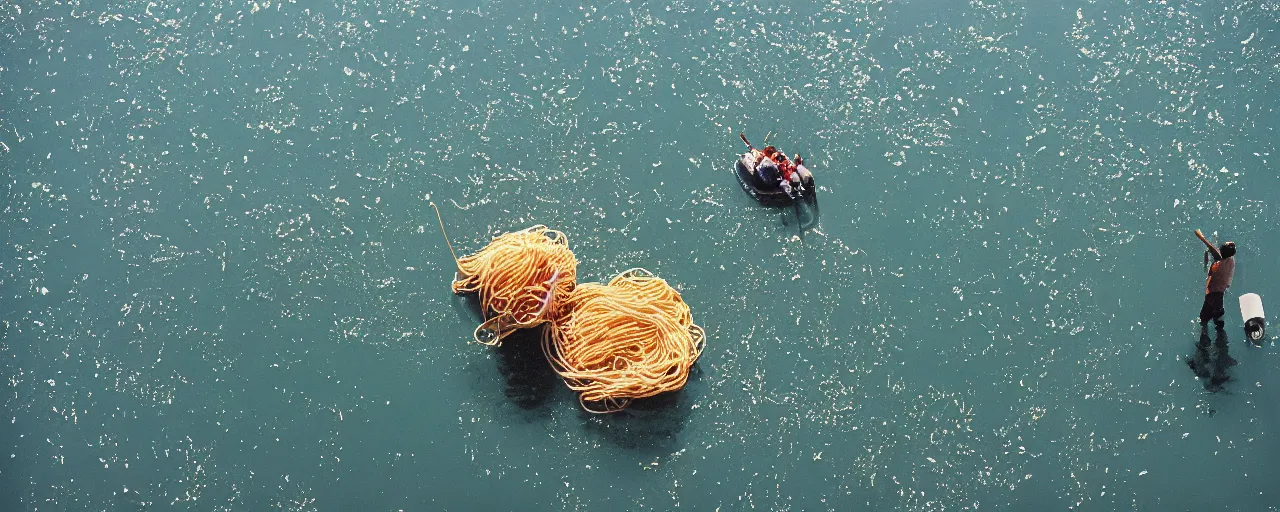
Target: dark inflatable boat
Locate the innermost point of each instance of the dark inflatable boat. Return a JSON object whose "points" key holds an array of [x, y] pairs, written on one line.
{"points": [[769, 194]]}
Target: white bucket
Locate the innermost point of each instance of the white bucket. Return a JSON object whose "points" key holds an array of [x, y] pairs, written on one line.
{"points": [[1251, 307], [1255, 323]]}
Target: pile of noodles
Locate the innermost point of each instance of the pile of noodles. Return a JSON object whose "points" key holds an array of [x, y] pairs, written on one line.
{"points": [[632, 338], [521, 278]]}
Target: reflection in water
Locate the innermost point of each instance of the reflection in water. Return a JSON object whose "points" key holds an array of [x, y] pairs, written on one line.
{"points": [[1211, 362], [650, 425], [467, 308], [529, 379], [807, 213], [803, 214]]}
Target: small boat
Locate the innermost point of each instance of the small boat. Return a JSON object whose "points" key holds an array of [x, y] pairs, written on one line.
{"points": [[769, 194]]}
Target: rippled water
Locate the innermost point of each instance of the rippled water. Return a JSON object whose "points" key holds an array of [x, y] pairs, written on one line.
{"points": [[223, 286]]}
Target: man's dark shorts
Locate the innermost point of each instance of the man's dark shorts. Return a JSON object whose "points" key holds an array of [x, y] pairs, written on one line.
{"points": [[1212, 307]]}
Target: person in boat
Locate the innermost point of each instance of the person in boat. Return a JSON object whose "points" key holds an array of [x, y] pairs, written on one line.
{"points": [[785, 165], [788, 179], [761, 154], [787, 170], [767, 168], [802, 177]]}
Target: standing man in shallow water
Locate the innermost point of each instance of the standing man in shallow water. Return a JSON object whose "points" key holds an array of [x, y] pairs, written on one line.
{"points": [[1215, 288]]}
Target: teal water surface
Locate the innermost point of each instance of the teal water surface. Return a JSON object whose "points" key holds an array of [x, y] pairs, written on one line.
{"points": [[223, 286]]}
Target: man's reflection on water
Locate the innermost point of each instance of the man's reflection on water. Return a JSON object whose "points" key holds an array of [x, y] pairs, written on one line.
{"points": [[1211, 361]]}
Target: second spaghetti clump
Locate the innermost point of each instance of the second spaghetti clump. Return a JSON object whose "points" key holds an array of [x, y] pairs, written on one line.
{"points": [[632, 338]]}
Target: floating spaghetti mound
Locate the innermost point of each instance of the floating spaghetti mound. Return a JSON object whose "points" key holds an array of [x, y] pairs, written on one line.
{"points": [[632, 338], [521, 277]]}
